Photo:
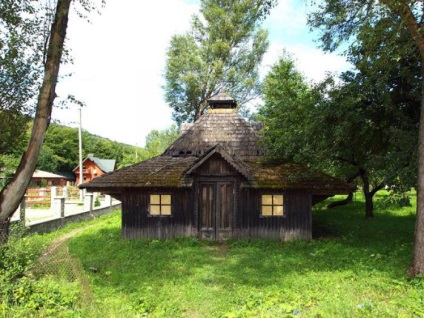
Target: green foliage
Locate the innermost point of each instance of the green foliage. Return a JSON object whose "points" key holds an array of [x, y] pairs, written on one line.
{"points": [[16, 254], [286, 115], [21, 59], [157, 141], [97, 202], [223, 50], [24, 294], [364, 126], [8, 165], [60, 149]]}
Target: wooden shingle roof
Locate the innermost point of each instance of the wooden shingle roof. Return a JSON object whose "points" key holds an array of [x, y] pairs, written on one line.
{"points": [[157, 172], [218, 126]]}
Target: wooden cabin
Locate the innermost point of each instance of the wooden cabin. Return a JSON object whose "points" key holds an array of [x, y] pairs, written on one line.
{"points": [[93, 167], [212, 183], [42, 178]]}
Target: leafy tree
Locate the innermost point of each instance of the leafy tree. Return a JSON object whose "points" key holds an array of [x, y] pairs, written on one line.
{"points": [[20, 70], [354, 129], [157, 141], [341, 20], [12, 12], [60, 149], [223, 49], [47, 160]]}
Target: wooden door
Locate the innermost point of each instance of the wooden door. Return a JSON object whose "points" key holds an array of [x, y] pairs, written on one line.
{"points": [[216, 209]]}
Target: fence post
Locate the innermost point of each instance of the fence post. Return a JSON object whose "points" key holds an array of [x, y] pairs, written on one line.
{"points": [[65, 192], [88, 202], [42, 192], [53, 194], [22, 208], [108, 199], [59, 202]]}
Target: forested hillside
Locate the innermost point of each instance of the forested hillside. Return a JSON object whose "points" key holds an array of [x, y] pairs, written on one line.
{"points": [[60, 153]]}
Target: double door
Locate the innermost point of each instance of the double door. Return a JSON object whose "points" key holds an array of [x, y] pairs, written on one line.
{"points": [[216, 209]]}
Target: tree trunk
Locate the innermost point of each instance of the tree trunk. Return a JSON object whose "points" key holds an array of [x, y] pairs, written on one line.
{"points": [[414, 26], [369, 205], [417, 267], [341, 202], [13, 192]]}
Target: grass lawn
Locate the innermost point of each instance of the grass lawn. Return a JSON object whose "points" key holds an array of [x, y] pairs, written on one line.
{"points": [[353, 268]]}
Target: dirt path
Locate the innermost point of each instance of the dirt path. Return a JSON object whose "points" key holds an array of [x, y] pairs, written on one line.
{"points": [[58, 242], [58, 261]]}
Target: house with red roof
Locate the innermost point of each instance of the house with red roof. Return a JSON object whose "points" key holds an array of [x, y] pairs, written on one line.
{"points": [[93, 167]]}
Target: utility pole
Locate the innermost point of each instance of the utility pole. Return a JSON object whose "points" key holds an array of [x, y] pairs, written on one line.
{"points": [[81, 173]]}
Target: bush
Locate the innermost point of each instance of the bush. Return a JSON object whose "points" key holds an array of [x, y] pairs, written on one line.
{"points": [[21, 294], [97, 202]]}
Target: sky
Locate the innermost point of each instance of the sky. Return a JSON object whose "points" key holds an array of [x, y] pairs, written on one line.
{"points": [[119, 61]]}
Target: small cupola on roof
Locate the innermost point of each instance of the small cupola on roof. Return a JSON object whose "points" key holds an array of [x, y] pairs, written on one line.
{"points": [[222, 100]]}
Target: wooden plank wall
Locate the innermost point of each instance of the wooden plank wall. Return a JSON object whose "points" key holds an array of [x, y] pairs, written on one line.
{"points": [[296, 224], [136, 223]]}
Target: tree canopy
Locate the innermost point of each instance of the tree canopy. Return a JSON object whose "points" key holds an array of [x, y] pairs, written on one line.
{"points": [[223, 50], [381, 23], [21, 65]]}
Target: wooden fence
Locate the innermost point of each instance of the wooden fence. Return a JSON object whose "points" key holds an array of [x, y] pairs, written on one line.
{"points": [[36, 196], [44, 196]]}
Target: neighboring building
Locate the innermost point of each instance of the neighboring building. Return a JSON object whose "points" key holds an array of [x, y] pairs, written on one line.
{"points": [[212, 183], [93, 167], [43, 178]]}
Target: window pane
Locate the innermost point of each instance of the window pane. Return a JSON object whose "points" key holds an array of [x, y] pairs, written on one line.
{"points": [[266, 210], [266, 199], [166, 199], [166, 210], [154, 199], [155, 209], [278, 210], [278, 199]]}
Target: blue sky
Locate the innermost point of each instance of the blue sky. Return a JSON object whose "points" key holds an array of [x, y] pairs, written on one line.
{"points": [[119, 61]]}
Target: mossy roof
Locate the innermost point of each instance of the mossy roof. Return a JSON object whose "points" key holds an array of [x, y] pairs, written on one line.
{"points": [[177, 172]]}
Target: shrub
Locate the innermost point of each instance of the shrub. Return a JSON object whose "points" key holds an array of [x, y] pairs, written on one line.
{"points": [[21, 294], [97, 202]]}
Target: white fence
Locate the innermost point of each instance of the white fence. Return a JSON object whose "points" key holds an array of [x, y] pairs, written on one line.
{"points": [[64, 209]]}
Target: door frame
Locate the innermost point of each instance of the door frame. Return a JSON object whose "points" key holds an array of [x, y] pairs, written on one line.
{"points": [[216, 233]]}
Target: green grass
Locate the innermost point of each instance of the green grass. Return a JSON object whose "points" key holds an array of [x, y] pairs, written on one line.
{"points": [[353, 268]]}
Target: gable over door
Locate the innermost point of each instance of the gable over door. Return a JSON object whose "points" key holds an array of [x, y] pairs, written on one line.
{"points": [[216, 209]]}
